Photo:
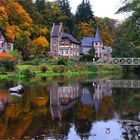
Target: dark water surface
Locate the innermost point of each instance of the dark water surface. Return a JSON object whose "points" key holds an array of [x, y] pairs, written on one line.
{"points": [[73, 108]]}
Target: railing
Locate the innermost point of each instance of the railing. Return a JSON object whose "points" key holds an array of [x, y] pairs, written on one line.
{"points": [[118, 61], [119, 83]]}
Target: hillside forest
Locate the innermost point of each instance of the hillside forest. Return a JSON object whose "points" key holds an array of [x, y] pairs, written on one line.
{"points": [[27, 24]]}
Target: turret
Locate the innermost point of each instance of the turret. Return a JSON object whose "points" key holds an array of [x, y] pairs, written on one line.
{"points": [[98, 40]]}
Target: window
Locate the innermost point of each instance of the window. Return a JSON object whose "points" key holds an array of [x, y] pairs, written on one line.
{"points": [[66, 51], [96, 43], [62, 52]]}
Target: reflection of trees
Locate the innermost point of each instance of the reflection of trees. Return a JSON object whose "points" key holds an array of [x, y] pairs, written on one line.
{"points": [[106, 109], [84, 118], [18, 116], [83, 128], [86, 112], [127, 102]]}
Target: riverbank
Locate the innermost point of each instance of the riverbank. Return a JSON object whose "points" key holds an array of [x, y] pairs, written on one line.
{"points": [[47, 70]]}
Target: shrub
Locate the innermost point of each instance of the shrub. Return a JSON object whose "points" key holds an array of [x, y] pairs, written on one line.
{"points": [[92, 67], [61, 62], [43, 69], [36, 62], [52, 61], [7, 65], [59, 69], [27, 73]]}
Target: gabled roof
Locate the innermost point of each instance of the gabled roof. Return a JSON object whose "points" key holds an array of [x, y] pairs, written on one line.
{"points": [[87, 41], [97, 36], [55, 30], [70, 37]]}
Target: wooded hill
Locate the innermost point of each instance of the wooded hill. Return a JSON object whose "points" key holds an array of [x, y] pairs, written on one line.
{"points": [[27, 23]]}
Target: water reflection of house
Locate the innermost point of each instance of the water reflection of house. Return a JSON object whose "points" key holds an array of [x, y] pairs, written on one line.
{"points": [[64, 97], [95, 98]]}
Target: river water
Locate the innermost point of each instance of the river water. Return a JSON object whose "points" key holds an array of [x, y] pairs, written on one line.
{"points": [[82, 107]]}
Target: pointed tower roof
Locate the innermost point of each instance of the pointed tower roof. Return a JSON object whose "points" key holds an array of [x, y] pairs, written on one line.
{"points": [[97, 36]]}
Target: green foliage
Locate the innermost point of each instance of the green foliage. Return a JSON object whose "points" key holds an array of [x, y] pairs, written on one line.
{"points": [[7, 65], [59, 69], [92, 67], [84, 12], [61, 61], [89, 56], [71, 62], [16, 54], [40, 5], [128, 38], [110, 68], [22, 44], [27, 73], [36, 62]]}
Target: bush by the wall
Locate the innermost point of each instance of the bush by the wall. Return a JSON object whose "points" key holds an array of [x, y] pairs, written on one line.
{"points": [[61, 62]]}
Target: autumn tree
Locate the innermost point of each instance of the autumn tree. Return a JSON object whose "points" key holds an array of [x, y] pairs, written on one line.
{"points": [[40, 45], [107, 28], [3, 17], [31, 8], [13, 32], [86, 30]]}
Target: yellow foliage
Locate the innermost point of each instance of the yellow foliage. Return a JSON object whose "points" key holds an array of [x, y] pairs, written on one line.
{"points": [[40, 44], [44, 31], [13, 31], [86, 30]]}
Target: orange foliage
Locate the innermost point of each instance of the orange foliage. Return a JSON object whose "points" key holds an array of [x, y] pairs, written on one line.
{"points": [[5, 55], [21, 10], [3, 13], [13, 31], [40, 101]]}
